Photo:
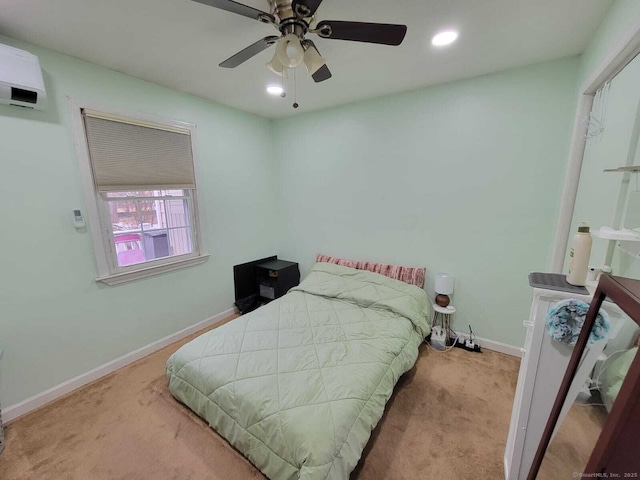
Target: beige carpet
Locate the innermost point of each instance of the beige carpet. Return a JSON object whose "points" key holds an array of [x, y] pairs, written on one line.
{"points": [[448, 419], [571, 447]]}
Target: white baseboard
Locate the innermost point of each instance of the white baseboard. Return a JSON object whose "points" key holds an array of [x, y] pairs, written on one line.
{"points": [[37, 401], [496, 346]]}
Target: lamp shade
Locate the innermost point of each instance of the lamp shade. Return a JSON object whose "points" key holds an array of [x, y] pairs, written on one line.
{"points": [[289, 51], [444, 283], [276, 67], [313, 60]]}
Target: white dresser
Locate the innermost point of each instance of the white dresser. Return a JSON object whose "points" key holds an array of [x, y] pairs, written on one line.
{"points": [[542, 368]]}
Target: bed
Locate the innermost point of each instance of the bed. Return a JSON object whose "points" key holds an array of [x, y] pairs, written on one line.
{"points": [[298, 385]]}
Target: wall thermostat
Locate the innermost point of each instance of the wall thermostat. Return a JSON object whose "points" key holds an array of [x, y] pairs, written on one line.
{"points": [[78, 219]]}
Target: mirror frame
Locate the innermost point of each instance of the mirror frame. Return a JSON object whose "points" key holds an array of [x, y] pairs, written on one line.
{"points": [[618, 443]]}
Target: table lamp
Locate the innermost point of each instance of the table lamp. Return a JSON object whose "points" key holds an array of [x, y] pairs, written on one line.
{"points": [[444, 288]]}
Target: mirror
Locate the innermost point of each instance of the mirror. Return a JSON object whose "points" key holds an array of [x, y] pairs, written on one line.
{"points": [[588, 404], [605, 199], [612, 198]]}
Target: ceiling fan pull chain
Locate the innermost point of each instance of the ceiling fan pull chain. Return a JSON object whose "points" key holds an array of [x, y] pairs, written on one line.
{"points": [[295, 90], [284, 92]]}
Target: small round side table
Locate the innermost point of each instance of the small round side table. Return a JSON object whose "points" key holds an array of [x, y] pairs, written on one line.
{"points": [[443, 315]]}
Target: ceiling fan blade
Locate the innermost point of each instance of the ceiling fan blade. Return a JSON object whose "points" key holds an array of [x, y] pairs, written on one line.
{"points": [[298, 6], [249, 52], [323, 72], [235, 7], [381, 33]]}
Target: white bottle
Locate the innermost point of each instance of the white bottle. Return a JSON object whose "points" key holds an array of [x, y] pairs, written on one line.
{"points": [[579, 256]]}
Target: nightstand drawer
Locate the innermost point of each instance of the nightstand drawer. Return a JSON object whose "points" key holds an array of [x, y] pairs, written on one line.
{"points": [[275, 278]]}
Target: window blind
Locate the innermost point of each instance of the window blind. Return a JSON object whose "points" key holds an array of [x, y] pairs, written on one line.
{"points": [[128, 155]]}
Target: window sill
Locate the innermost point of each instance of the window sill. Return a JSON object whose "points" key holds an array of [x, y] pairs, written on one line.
{"points": [[120, 278]]}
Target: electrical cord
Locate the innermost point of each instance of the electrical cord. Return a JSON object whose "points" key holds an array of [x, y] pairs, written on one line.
{"points": [[590, 404]]}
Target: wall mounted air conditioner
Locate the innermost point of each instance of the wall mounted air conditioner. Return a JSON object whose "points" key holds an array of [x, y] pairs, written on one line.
{"points": [[21, 82]]}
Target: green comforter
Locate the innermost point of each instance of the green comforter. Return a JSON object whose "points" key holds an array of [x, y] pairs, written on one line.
{"points": [[298, 385], [613, 376]]}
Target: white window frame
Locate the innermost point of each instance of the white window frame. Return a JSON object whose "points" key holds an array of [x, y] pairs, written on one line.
{"points": [[97, 209]]}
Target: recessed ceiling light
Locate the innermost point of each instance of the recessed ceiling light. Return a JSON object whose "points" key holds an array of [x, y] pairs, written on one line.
{"points": [[444, 38], [275, 90]]}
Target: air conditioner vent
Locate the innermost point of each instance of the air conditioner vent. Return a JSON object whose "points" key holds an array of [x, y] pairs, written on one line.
{"points": [[26, 96]]}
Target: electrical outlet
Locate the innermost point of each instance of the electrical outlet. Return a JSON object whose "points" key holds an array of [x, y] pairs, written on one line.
{"points": [[438, 338], [468, 345], [438, 335]]}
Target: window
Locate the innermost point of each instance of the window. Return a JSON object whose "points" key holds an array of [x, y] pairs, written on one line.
{"points": [[148, 225], [140, 186]]}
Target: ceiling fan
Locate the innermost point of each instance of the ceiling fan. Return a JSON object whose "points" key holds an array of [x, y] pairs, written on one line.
{"points": [[294, 19]]}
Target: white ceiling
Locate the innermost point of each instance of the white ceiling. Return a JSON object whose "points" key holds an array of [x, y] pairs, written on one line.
{"points": [[179, 43]]}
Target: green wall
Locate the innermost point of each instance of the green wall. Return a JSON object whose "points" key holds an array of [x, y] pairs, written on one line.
{"points": [[463, 178], [620, 18], [56, 322]]}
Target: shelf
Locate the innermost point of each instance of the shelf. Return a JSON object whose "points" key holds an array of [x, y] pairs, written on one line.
{"points": [[607, 233], [629, 240], [630, 169]]}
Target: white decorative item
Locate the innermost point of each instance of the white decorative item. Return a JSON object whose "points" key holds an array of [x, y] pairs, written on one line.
{"points": [[597, 116]]}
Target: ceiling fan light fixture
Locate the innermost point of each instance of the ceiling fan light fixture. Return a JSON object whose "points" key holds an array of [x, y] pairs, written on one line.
{"points": [[289, 51], [276, 67], [313, 60]]}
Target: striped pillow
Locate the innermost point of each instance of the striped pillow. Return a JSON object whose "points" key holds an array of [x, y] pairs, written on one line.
{"points": [[410, 275]]}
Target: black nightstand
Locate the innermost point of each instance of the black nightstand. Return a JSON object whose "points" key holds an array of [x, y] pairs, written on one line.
{"points": [[275, 278]]}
